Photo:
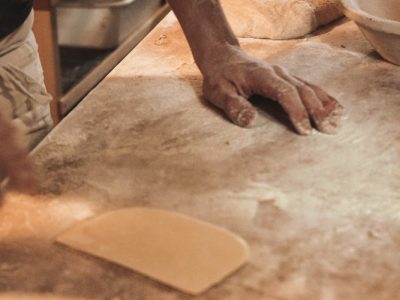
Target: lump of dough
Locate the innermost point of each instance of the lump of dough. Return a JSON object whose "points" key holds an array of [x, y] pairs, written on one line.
{"points": [[279, 19]]}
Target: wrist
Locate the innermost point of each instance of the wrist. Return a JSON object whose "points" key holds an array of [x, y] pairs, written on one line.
{"points": [[216, 55]]}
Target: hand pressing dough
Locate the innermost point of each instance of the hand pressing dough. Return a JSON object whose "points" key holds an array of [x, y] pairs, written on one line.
{"points": [[279, 19], [177, 250]]}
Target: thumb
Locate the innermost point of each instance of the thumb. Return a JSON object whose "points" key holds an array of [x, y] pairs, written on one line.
{"points": [[225, 96], [239, 110]]}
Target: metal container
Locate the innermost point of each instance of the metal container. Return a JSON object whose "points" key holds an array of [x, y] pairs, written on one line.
{"points": [[101, 24]]}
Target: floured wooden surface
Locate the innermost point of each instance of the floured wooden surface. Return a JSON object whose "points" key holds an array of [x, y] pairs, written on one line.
{"points": [[321, 213]]}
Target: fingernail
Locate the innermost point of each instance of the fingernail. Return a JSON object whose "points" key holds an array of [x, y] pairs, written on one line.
{"points": [[332, 124], [328, 127], [304, 127], [246, 117]]}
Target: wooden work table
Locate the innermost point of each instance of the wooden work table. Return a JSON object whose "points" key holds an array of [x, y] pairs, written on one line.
{"points": [[321, 213]]}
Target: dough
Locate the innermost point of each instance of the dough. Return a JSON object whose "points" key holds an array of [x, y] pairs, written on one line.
{"points": [[279, 19], [179, 251]]}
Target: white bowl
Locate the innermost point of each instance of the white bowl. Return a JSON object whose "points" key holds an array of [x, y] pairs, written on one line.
{"points": [[379, 21]]}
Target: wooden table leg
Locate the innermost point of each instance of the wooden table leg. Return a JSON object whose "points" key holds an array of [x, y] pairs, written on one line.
{"points": [[46, 36]]}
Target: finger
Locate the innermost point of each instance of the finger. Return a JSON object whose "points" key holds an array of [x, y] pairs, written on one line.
{"points": [[273, 86], [238, 109], [334, 112], [312, 102]]}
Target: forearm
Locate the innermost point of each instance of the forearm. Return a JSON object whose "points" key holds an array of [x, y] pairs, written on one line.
{"points": [[206, 29]]}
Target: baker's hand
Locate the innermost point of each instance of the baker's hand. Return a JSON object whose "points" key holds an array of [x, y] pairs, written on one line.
{"points": [[14, 163], [231, 80]]}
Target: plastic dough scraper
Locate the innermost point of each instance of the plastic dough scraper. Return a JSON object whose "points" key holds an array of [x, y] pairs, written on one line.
{"points": [[177, 250]]}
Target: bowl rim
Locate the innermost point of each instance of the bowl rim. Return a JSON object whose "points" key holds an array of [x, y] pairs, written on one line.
{"points": [[366, 19]]}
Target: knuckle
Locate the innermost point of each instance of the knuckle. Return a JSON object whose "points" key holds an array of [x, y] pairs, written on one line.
{"points": [[230, 104], [286, 92], [214, 86]]}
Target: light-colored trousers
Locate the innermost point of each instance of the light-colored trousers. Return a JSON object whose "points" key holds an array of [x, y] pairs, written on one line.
{"points": [[23, 96]]}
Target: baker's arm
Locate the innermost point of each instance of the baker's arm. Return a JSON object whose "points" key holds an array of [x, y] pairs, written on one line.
{"points": [[231, 76], [14, 163]]}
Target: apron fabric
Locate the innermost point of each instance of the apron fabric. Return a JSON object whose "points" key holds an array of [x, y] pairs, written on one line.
{"points": [[23, 96]]}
